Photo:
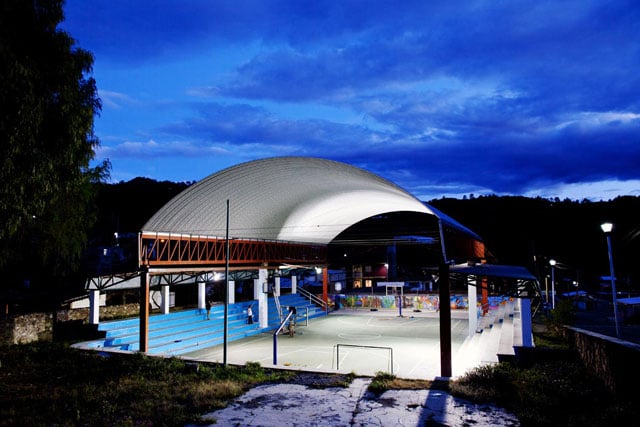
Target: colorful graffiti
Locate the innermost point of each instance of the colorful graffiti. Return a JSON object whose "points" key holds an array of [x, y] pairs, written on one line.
{"points": [[413, 302]]}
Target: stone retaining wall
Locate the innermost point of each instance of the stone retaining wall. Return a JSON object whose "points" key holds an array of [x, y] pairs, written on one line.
{"points": [[109, 312], [26, 328], [613, 360]]}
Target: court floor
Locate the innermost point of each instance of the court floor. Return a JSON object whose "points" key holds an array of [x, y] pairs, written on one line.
{"points": [[361, 342]]}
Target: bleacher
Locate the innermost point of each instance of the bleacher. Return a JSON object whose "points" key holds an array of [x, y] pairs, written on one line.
{"points": [[184, 331], [498, 332]]}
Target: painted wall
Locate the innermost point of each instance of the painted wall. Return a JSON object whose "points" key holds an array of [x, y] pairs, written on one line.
{"points": [[423, 302]]}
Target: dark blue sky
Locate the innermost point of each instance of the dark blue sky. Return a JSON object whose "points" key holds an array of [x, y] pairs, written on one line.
{"points": [[444, 98]]}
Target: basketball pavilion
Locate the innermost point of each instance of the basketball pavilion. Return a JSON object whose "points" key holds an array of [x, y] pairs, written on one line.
{"points": [[313, 241]]}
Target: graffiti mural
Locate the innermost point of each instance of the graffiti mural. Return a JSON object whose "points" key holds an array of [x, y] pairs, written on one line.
{"points": [[413, 302]]}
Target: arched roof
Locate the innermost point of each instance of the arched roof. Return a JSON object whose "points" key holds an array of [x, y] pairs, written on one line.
{"points": [[297, 199]]}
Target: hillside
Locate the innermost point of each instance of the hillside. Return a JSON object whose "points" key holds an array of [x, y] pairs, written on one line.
{"points": [[530, 231]]}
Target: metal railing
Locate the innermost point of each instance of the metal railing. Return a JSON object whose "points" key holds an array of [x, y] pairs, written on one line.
{"points": [[275, 336], [314, 299]]}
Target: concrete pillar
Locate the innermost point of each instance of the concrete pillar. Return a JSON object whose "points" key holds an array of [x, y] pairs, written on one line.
{"points": [[165, 299], [445, 321], [260, 284], [294, 284], [472, 291], [94, 307], [525, 322], [232, 292], [276, 287], [202, 295], [144, 312]]}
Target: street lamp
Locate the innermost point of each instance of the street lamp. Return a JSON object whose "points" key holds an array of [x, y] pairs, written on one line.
{"points": [[552, 263], [607, 227]]}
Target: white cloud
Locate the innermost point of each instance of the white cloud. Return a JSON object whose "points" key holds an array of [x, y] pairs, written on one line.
{"points": [[116, 100], [594, 191], [590, 119]]}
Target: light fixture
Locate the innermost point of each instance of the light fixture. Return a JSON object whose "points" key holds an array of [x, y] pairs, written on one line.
{"points": [[552, 263], [607, 227]]}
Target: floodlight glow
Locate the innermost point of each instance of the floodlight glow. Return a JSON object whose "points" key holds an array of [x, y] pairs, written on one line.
{"points": [[552, 262], [607, 227]]}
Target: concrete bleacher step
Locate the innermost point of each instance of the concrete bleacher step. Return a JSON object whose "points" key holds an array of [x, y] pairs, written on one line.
{"points": [[188, 330], [490, 342], [177, 332], [505, 346], [517, 332], [162, 324], [468, 355], [204, 340], [158, 318]]}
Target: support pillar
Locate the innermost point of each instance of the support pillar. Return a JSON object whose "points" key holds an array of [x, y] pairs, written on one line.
{"points": [[232, 292], [94, 307], [525, 322], [445, 321], [472, 292], [485, 296], [144, 311], [294, 284], [202, 295], [261, 284], [325, 284], [165, 300]]}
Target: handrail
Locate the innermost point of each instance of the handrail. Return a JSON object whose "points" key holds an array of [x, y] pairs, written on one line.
{"points": [[314, 299], [278, 307], [275, 337]]}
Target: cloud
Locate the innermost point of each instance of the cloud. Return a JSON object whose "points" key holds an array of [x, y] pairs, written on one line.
{"points": [[116, 100], [153, 149], [455, 96]]}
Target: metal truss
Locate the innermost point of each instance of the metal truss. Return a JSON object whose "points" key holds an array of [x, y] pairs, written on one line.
{"points": [[180, 250]]}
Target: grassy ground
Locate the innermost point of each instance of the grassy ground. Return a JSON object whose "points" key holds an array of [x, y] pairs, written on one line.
{"points": [[52, 384]]}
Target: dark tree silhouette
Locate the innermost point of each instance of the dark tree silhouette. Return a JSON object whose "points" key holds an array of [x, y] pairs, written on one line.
{"points": [[47, 102]]}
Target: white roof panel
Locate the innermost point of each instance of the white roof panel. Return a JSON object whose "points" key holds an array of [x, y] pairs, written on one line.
{"points": [[297, 199]]}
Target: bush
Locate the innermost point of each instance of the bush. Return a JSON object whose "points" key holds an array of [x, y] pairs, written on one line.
{"points": [[563, 314], [381, 383]]}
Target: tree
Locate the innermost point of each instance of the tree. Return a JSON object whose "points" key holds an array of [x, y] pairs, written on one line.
{"points": [[48, 101]]}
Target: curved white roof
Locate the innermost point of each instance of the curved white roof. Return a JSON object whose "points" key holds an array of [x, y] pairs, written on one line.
{"points": [[298, 199]]}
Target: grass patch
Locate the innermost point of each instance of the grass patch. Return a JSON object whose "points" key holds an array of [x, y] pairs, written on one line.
{"points": [[381, 382], [553, 391], [52, 384]]}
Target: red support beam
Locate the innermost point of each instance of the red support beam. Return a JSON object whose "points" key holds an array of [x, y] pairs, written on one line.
{"points": [[168, 250]]}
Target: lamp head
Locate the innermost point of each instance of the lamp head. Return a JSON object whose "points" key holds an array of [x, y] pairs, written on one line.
{"points": [[552, 262], [606, 227]]}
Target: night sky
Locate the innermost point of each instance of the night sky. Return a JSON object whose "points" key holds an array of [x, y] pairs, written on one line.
{"points": [[444, 98]]}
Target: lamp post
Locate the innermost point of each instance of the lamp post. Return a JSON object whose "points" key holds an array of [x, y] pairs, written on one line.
{"points": [[552, 263], [607, 227]]}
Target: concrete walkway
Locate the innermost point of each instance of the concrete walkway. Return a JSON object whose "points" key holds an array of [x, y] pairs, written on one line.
{"points": [[298, 405]]}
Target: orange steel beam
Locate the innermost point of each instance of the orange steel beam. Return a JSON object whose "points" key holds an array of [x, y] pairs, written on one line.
{"points": [[164, 249]]}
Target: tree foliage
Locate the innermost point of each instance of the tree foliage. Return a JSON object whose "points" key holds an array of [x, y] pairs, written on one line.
{"points": [[48, 102]]}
